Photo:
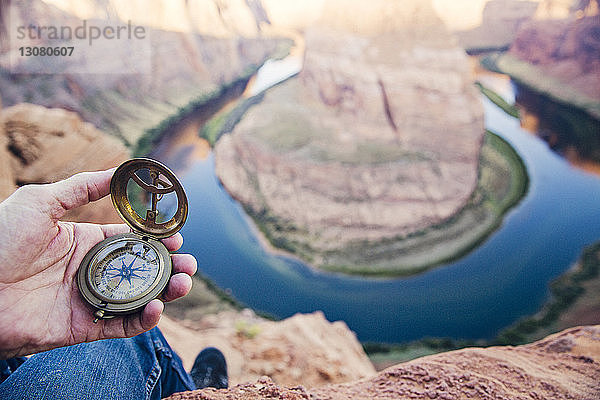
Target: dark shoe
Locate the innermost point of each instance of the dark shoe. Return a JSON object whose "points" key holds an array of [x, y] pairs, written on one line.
{"points": [[210, 369]]}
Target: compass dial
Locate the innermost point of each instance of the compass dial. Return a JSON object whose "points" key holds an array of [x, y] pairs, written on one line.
{"points": [[121, 274], [129, 269]]}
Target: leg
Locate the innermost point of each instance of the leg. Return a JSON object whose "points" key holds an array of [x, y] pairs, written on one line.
{"points": [[142, 367]]}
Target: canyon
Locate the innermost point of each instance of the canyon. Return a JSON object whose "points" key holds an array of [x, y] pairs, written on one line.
{"points": [[551, 47], [190, 64], [344, 142], [558, 58], [348, 153]]}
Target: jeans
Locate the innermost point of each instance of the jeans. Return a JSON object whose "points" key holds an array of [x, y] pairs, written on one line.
{"points": [[142, 367]]}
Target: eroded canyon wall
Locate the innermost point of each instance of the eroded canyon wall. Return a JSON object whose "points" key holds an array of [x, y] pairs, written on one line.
{"points": [[184, 58]]}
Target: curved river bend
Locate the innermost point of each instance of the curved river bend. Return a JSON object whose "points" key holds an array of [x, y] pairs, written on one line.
{"points": [[502, 280]]}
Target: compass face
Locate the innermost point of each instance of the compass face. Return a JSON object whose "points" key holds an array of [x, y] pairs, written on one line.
{"points": [[121, 274], [125, 270]]}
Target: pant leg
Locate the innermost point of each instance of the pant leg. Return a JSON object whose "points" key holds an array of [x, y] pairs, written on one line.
{"points": [[142, 367]]}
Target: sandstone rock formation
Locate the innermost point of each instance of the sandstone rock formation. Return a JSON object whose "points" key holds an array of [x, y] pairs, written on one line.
{"points": [[176, 65], [378, 137], [303, 349], [567, 51], [228, 18], [45, 145], [562, 366], [500, 21], [460, 15], [555, 51]]}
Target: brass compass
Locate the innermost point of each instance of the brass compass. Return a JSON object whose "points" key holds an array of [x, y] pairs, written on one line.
{"points": [[123, 273]]}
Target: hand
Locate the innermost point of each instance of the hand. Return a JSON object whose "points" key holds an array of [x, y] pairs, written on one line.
{"points": [[40, 304]]}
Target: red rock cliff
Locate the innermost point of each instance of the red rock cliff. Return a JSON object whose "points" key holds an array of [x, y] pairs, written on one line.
{"points": [[562, 366]]}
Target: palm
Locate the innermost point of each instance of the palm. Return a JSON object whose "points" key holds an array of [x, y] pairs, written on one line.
{"points": [[39, 256]]}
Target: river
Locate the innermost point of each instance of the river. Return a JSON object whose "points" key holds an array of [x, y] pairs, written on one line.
{"points": [[503, 279]]}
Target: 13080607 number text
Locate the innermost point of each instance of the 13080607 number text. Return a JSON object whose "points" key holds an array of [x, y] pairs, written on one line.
{"points": [[35, 51]]}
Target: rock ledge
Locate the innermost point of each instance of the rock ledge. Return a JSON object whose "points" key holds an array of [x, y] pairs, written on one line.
{"points": [[562, 366]]}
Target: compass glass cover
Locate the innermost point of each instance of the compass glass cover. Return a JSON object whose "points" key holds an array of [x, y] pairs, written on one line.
{"points": [[125, 270]]}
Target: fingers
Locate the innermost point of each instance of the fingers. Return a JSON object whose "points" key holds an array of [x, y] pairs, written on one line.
{"points": [[151, 314], [185, 263], [132, 325], [78, 190], [173, 243], [179, 286]]}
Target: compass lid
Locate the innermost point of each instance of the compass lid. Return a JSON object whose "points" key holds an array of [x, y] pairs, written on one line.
{"points": [[156, 180]]}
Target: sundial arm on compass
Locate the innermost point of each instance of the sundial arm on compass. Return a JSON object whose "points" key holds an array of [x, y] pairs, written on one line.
{"points": [[158, 188]]}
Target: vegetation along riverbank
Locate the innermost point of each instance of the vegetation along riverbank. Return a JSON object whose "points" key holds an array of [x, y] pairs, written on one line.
{"points": [[574, 300]]}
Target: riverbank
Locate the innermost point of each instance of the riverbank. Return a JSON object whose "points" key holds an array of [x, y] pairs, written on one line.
{"points": [[199, 108], [574, 301], [534, 77], [225, 120], [204, 111], [560, 115]]}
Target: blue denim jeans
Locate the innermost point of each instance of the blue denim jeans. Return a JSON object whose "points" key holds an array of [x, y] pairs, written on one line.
{"points": [[142, 367]]}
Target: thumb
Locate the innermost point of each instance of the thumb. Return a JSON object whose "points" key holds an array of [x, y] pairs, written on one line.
{"points": [[78, 190]]}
